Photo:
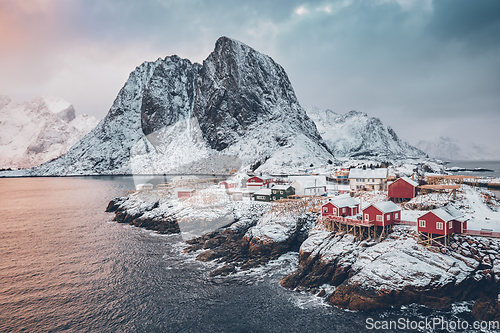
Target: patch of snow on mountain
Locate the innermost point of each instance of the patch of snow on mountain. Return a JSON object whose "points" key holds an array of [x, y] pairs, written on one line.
{"points": [[355, 134], [39, 130]]}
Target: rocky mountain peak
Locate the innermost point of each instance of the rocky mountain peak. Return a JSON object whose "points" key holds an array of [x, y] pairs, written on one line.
{"points": [[240, 88], [170, 93], [355, 134], [4, 101]]}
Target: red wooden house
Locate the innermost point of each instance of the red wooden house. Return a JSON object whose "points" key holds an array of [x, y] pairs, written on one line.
{"points": [[382, 213], [442, 221], [402, 189], [258, 182], [227, 185], [344, 206], [185, 192]]}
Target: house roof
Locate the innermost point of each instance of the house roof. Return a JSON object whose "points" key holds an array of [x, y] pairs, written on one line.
{"points": [[281, 187], [344, 202], [309, 181], [386, 206], [447, 213], [409, 181], [186, 190], [264, 191], [262, 177], [380, 173]]}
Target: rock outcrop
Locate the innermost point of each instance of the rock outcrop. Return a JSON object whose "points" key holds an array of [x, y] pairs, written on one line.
{"points": [[137, 215], [397, 271], [249, 243]]}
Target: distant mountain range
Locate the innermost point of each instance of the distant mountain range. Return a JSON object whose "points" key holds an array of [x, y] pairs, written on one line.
{"points": [[356, 135], [236, 109], [39, 130], [449, 149]]}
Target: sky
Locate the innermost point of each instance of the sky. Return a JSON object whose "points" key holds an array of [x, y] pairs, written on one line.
{"points": [[427, 68]]}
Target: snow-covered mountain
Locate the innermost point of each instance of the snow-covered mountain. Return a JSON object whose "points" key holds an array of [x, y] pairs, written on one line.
{"points": [[355, 134], [446, 148], [39, 130], [176, 116]]}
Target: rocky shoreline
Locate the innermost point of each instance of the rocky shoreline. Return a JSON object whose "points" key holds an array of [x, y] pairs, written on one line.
{"points": [[347, 272], [164, 224], [398, 271]]}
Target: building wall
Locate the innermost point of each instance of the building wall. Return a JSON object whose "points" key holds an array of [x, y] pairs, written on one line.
{"points": [[401, 189], [255, 179], [258, 180], [387, 218], [329, 209], [369, 184], [458, 228], [261, 197], [431, 221], [254, 186], [282, 194], [184, 194], [319, 190]]}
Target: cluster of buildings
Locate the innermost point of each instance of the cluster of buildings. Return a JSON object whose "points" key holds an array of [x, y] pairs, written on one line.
{"points": [[344, 212], [267, 188], [434, 227], [345, 181]]}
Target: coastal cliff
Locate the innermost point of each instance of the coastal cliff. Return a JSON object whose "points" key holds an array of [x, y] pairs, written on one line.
{"points": [[369, 275], [347, 272]]}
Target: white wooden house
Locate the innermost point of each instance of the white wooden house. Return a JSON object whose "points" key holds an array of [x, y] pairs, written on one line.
{"points": [[368, 180]]}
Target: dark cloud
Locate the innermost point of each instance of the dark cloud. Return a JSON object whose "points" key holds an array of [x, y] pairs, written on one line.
{"points": [[427, 68], [473, 22]]}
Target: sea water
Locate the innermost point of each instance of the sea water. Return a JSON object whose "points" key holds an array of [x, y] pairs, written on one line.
{"points": [[66, 267]]}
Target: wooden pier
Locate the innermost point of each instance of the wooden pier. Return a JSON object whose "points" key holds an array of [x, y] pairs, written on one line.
{"points": [[359, 228]]}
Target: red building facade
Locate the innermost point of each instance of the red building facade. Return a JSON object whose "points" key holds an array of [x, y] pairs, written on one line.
{"points": [[185, 193], [342, 207], [382, 213], [402, 188], [257, 182], [441, 222]]}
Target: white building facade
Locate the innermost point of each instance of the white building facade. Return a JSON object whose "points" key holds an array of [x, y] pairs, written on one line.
{"points": [[368, 180]]}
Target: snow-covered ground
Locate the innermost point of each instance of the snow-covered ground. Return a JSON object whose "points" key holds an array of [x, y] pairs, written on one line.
{"points": [[479, 214]]}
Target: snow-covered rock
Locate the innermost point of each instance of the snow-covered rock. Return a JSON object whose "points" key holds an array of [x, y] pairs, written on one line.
{"points": [[355, 134], [374, 275], [38, 130]]}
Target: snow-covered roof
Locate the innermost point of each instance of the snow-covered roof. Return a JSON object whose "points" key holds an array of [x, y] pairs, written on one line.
{"points": [[309, 181], [264, 191], [368, 173], [186, 190], [386, 206], [447, 213], [281, 187], [144, 186], [409, 181], [265, 177], [344, 202]]}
